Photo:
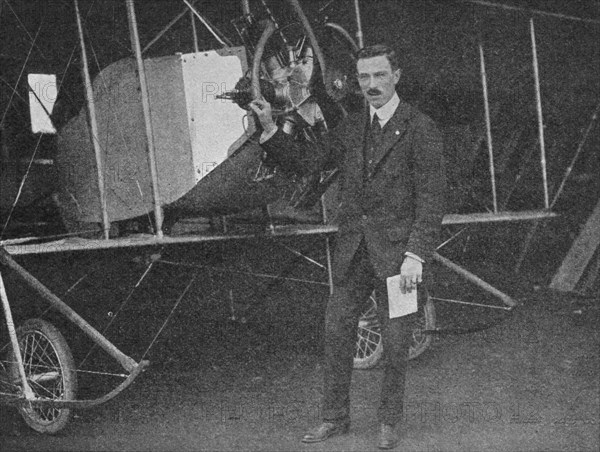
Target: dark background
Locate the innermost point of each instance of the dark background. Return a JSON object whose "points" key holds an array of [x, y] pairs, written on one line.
{"points": [[263, 340]]}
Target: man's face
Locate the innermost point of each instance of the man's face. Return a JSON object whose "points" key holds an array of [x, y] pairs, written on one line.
{"points": [[377, 80]]}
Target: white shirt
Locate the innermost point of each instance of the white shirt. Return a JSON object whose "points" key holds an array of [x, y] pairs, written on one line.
{"points": [[386, 112]]}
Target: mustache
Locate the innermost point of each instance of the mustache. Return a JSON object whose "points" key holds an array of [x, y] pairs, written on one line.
{"points": [[373, 92]]}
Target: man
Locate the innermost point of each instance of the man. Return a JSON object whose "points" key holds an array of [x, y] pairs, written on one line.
{"points": [[392, 185]]}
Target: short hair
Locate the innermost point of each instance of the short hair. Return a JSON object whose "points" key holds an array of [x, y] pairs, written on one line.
{"points": [[379, 50]]}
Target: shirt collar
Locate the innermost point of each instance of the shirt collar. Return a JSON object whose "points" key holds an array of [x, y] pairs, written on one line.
{"points": [[387, 111]]}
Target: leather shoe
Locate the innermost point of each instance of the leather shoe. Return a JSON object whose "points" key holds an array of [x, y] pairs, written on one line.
{"points": [[388, 438], [326, 430]]}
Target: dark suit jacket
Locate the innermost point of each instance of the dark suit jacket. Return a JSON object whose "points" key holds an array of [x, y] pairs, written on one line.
{"points": [[401, 204]]}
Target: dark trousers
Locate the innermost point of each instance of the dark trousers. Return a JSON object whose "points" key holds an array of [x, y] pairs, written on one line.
{"points": [[341, 323]]}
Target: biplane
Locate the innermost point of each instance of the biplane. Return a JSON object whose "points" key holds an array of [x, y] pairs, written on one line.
{"points": [[164, 151]]}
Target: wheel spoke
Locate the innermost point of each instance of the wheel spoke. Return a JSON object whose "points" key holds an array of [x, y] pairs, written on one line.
{"points": [[368, 341], [43, 372], [49, 372]]}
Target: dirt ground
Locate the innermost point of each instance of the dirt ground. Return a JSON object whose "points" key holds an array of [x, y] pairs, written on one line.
{"points": [[528, 383]]}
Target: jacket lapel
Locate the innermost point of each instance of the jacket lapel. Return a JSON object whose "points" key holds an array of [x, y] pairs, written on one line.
{"points": [[356, 134]]}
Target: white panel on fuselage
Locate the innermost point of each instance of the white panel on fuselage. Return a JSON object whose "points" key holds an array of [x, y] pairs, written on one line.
{"points": [[214, 124]]}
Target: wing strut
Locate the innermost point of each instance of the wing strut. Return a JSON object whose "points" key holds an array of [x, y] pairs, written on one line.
{"points": [[540, 117], [89, 94], [126, 362], [135, 44]]}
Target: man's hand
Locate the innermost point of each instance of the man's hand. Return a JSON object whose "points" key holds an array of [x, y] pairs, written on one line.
{"points": [[263, 111], [411, 274]]}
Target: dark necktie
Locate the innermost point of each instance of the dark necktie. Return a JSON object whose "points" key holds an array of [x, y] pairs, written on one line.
{"points": [[376, 131], [373, 143]]}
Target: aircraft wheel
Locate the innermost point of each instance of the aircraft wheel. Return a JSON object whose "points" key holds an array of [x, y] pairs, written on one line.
{"points": [[369, 348], [424, 320], [50, 372]]}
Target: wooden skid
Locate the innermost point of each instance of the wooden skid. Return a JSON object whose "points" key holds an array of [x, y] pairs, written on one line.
{"points": [[580, 254]]}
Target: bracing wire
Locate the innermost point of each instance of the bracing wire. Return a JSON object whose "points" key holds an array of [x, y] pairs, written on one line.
{"points": [[14, 91], [122, 305], [22, 68], [185, 291], [14, 204], [242, 272]]}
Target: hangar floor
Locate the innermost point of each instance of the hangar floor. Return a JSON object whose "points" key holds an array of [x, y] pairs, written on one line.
{"points": [[528, 383]]}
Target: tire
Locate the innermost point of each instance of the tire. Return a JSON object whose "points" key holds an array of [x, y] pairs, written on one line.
{"points": [[369, 348], [424, 320], [50, 372]]}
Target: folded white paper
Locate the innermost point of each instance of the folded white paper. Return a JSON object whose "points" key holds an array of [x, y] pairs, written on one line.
{"points": [[400, 304]]}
